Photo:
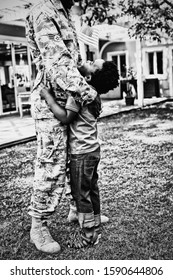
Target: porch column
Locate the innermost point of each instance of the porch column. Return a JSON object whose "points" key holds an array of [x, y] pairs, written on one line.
{"points": [[14, 69], [140, 87]]}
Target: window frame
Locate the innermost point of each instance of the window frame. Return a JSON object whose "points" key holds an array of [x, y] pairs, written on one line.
{"points": [[154, 50]]}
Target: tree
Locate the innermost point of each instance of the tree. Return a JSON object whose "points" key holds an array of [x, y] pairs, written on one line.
{"points": [[151, 18], [97, 11]]}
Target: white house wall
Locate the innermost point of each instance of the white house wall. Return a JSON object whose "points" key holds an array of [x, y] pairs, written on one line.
{"points": [[165, 78]]}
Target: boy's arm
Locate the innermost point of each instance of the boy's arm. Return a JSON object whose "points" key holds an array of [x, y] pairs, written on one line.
{"points": [[66, 116]]}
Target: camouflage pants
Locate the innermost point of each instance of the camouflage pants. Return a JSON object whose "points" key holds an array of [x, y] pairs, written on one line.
{"points": [[50, 167]]}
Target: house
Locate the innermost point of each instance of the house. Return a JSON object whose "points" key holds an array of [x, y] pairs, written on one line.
{"points": [[152, 61], [156, 61]]}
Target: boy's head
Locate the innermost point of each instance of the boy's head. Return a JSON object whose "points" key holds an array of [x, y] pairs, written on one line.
{"points": [[102, 75]]}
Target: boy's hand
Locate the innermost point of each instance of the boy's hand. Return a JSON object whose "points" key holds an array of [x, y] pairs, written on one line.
{"points": [[45, 93]]}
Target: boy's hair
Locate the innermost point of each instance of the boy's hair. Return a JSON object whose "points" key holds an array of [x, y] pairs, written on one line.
{"points": [[105, 79]]}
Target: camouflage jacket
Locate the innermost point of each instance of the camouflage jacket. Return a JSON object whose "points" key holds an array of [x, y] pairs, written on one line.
{"points": [[52, 39]]}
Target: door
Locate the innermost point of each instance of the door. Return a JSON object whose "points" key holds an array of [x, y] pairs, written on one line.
{"points": [[15, 74], [8, 100], [120, 58]]}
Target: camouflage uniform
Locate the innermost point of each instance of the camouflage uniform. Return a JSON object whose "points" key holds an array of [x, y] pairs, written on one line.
{"points": [[52, 39]]}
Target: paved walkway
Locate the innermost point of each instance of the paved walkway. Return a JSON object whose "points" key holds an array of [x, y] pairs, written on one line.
{"points": [[15, 130]]}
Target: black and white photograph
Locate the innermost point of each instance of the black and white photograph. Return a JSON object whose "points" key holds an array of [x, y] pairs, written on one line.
{"points": [[86, 139]]}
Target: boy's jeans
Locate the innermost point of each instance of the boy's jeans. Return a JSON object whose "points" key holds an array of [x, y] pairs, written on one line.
{"points": [[84, 187]]}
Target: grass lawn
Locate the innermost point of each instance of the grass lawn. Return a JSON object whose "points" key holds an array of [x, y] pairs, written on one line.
{"points": [[136, 188]]}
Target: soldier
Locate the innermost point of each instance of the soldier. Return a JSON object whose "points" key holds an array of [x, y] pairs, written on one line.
{"points": [[52, 40]]}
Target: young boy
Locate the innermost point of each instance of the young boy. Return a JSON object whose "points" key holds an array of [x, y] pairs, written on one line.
{"points": [[85, 148]]}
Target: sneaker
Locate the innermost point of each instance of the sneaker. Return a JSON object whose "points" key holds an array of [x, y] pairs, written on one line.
{"points": [[104, 219], [41, 237], [79, 240]]}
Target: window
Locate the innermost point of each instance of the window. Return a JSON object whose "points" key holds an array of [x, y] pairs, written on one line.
{"points": [[159, 62], [151, 63], [155, 62]]}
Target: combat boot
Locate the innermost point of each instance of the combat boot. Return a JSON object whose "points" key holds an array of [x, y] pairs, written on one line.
{"points": [[41, 237]]}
